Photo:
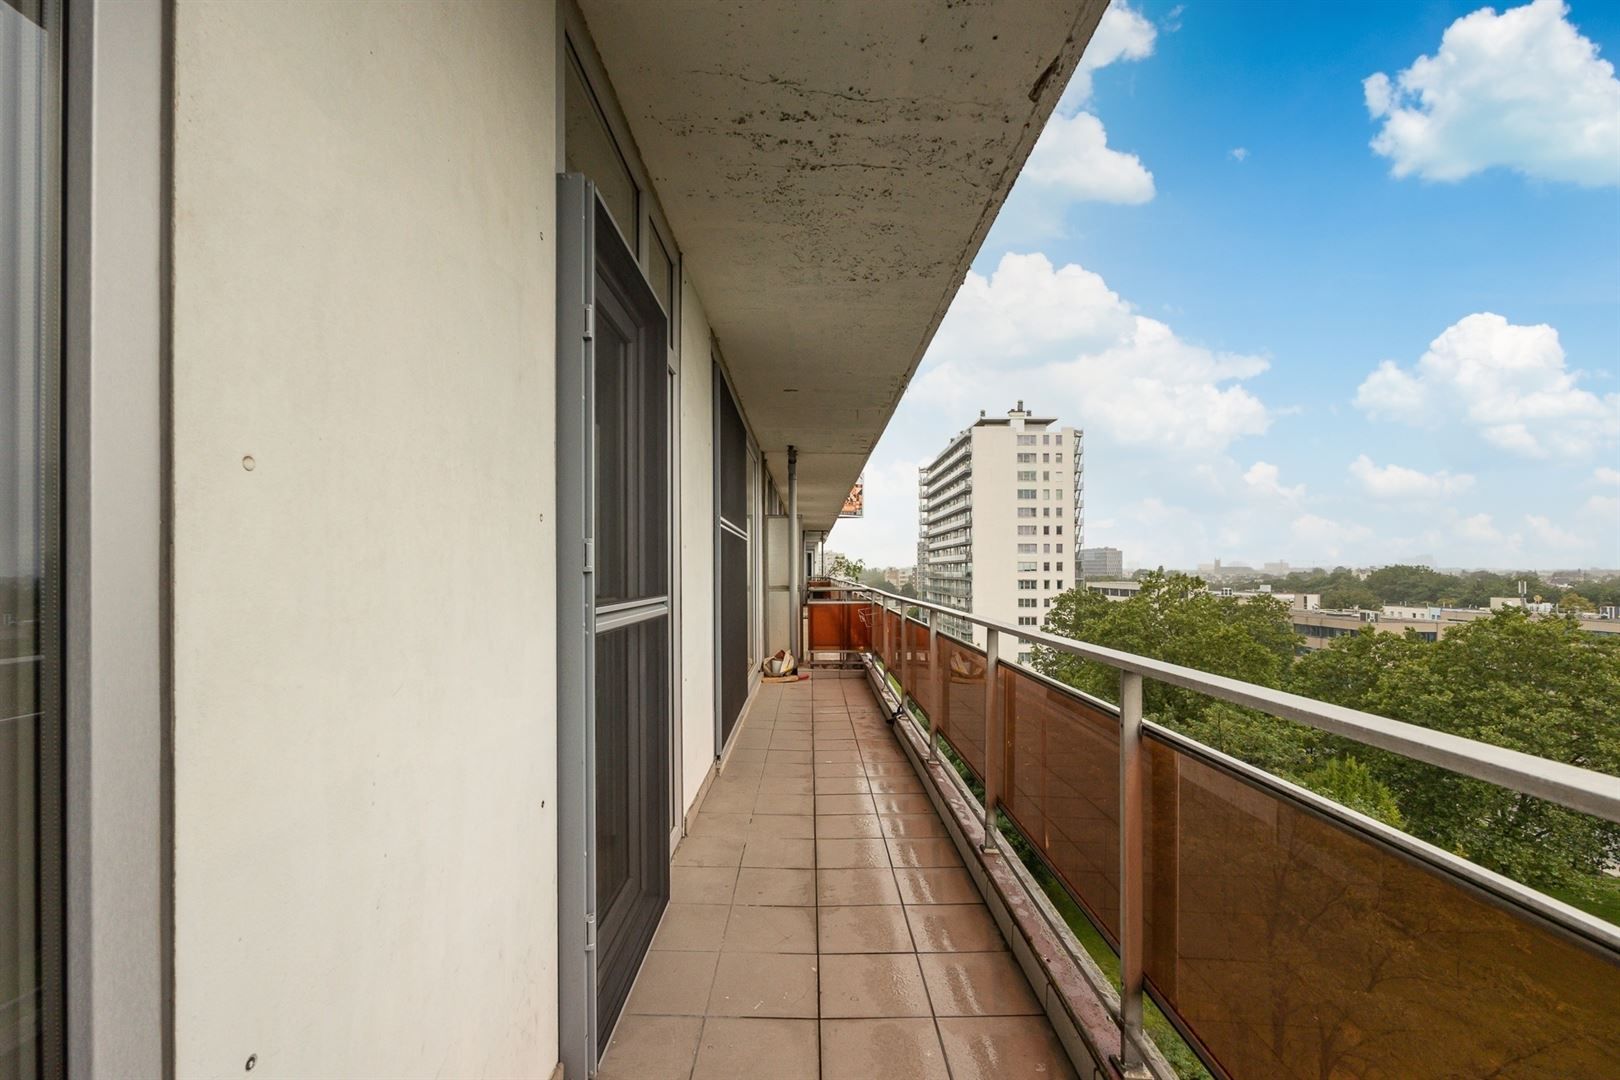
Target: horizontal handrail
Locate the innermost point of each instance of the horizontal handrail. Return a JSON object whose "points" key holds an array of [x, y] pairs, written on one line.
{"points": [[1579, 789]]}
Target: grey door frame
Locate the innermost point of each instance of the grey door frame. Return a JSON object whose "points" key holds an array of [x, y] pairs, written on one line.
{"points": [[583, 940], [576, 626]]}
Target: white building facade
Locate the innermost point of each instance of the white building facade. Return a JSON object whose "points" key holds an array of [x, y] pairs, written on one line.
{"points": [[1001, 517]]}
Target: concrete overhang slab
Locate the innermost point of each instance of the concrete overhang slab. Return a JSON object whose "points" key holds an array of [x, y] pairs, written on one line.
{"points": [[830, 168]]}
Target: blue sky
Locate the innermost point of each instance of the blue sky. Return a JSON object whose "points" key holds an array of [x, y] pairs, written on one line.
{"points": [[1324, 283]]}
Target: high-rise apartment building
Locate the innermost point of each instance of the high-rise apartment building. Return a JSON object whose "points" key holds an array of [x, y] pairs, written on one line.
{"points": [[1101, 564], [1001, 518]]}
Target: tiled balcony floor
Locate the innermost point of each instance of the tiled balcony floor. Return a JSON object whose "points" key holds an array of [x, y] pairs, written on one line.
{"points": [[821, 923]]}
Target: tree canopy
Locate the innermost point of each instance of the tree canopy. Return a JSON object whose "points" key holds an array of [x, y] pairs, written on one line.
{"points": [[1540, 685]]}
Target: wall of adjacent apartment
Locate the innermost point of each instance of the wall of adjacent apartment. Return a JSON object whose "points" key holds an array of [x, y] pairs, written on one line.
{"points": [[364, 732]]}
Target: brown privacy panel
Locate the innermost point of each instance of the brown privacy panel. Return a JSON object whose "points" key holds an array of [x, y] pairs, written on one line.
{"points": [[961, 718], [1293, 947], [920, 685], [1062, 788], [841, 626], [889, 640]]}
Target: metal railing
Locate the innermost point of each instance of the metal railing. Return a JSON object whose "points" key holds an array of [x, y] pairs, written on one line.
{"points": [[1281, 933]]}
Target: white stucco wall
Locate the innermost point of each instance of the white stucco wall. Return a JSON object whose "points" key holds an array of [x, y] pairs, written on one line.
{"points": [[697, 545], [364, 623]]}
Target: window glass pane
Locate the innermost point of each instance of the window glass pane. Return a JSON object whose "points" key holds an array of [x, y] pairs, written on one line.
{"points": [[29, 718], [588, 148], [632, 443], [661, 275]]}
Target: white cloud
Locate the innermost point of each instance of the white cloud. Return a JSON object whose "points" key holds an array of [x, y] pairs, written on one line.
{"points": [[1550, 534], [1097, 361], [1521, 90], [1263, 478], [1239, 153], [1605, 508], [1073, 156], [1122, 34], [1325, 536], [1510, 382], [1479, 529], [1399, 482], [1605, 475]]}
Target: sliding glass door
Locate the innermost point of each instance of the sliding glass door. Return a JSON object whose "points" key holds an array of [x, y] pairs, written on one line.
{"points": [[30, 514]]}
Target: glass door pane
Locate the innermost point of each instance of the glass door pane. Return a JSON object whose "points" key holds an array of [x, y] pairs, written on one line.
{"points": [[30, 776]]}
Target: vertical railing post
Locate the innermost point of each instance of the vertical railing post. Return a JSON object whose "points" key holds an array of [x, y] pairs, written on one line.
{"points": [[1132, 876], [940, 686], [992, 768], [905, 658]]}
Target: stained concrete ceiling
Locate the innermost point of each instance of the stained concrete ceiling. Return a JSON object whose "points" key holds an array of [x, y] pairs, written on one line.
{"points": [[830, 168]]}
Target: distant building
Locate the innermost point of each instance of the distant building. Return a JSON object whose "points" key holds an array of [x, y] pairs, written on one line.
{"points": [[900, 576], [1115, 590], [1275, 569], [1001, 514], [1219, 571], [1101, 563]]}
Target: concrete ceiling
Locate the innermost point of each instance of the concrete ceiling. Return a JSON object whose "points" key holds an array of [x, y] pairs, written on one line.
{"points": [[830, 169]]}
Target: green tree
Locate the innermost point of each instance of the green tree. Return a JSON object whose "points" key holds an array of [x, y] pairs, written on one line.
{"points": [[1541, 686], [1344, 596], [842, 566], [1349, 782], [1173, 617]]}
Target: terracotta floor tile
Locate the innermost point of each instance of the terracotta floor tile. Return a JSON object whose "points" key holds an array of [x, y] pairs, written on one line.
{"points": [[708, 823], [786, 785], [844, 888], [775, 887], [710, 851], [827, 805], [898, 784], [842, 785], [780, 851], [912, 826], [848, 827], [673, 984], [731, 800], [794, 826], [891, 1048], [937, 885], [737, 1048], [977, 984], [870, 929], [872, 984], [933, 851], [652, 1048], [995, 1047], [954, 928], [787, 757], [770, 930], [701, 884], [870, 853], [773, 803], [790, 769], [889, 803], [692, 927], [764, 984]]}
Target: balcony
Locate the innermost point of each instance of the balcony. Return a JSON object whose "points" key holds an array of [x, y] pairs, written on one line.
{"points": [[822, 922], [1277, 933]]}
